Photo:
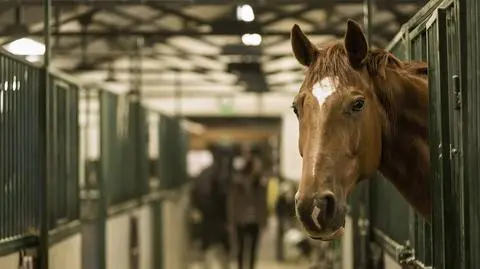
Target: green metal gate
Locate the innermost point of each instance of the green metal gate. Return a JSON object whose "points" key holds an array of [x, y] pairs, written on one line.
{"points": [[469, 31], [123, 141], [446, 138], [443, 33], [38, 156], [63, 131], [172, 155], [41, 168], [19, 148]]}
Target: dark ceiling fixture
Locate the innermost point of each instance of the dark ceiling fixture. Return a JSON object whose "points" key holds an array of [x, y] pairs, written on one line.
{"points": [[251, 74], [111, 74]]}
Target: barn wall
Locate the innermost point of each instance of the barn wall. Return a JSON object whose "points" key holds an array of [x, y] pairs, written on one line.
{"points": [[66, 253], [118, 238], [144, 214], [347, 244], [9, 261], [290, 161], [117, 241], [175, 237]]}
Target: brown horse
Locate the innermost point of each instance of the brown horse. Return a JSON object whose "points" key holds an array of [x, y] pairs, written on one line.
{"points": [[359, 111]]}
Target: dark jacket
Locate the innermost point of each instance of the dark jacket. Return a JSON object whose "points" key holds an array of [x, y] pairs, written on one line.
{"points": [[240, 194], [210, 197]]}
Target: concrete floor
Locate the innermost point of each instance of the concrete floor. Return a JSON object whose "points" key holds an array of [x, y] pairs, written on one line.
{"points": [[266, 254]]}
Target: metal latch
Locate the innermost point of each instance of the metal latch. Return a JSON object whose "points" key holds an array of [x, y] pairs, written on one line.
{"points": [[407, 259], [453, 151], [456, 92]]}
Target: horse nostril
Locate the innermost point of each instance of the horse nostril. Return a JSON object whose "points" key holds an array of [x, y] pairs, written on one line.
{"points": [[328, 204]]}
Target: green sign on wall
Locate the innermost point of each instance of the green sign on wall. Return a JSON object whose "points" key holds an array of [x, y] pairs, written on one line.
{"points": [[226, 105]]}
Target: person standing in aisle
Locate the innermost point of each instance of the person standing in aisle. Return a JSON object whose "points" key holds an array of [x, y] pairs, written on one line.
{"points": [[248, 207]]}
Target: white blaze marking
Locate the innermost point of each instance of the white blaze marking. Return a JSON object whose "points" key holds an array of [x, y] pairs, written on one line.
{"points": [[324, 88]]}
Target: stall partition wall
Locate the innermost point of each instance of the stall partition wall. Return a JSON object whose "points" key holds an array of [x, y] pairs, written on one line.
{"points": [[63, 254], [119, 236], [175, 231], [290, 160], [10, 261], [66, 253]]}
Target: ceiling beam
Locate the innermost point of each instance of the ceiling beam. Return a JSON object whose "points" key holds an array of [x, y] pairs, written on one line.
{"points": [[183, 3], [106, 33], [134, 22], [180, 83], [56, 24], [146, 94], [179, 13], [281, 15], [285, 15], [166, 33], [400, 17], [121, 53], [331, 24]]}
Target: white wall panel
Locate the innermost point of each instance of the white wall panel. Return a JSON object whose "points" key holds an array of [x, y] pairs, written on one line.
{"points": [[290, 160], [144, 215], [9, 261], [66, 253], [117, 242]]}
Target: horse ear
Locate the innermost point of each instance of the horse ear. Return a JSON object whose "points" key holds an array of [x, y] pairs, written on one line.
{"points": [[355, 43], [303, 49], [421, 70], [417, 68]]}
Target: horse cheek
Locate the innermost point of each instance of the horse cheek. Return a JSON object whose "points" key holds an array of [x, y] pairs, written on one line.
{"points": [[373, 148]]}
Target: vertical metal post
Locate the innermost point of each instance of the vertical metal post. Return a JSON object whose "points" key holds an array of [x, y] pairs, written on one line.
{"points": [[18, 15], [47, 34], [84, 23], [100, 223], [259, 104], [464, 40], [136, 69], [43, 139], [367, 19], [178, 94], [364, 217], [57, 23], [136, 99]]}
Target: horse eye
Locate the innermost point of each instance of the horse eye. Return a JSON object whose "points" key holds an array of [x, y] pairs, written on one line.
{"points": [[358, 105]]}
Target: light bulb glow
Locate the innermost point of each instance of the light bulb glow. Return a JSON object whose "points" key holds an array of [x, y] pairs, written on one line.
{"points": [[251, 39], [26, 46], [245, 13]]}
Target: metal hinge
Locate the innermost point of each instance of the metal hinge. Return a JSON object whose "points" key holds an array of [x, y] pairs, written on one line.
{"points": [[453, 151], [407, 259], [457, 94], [363, 222], [363, 225], [440, 151]]}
